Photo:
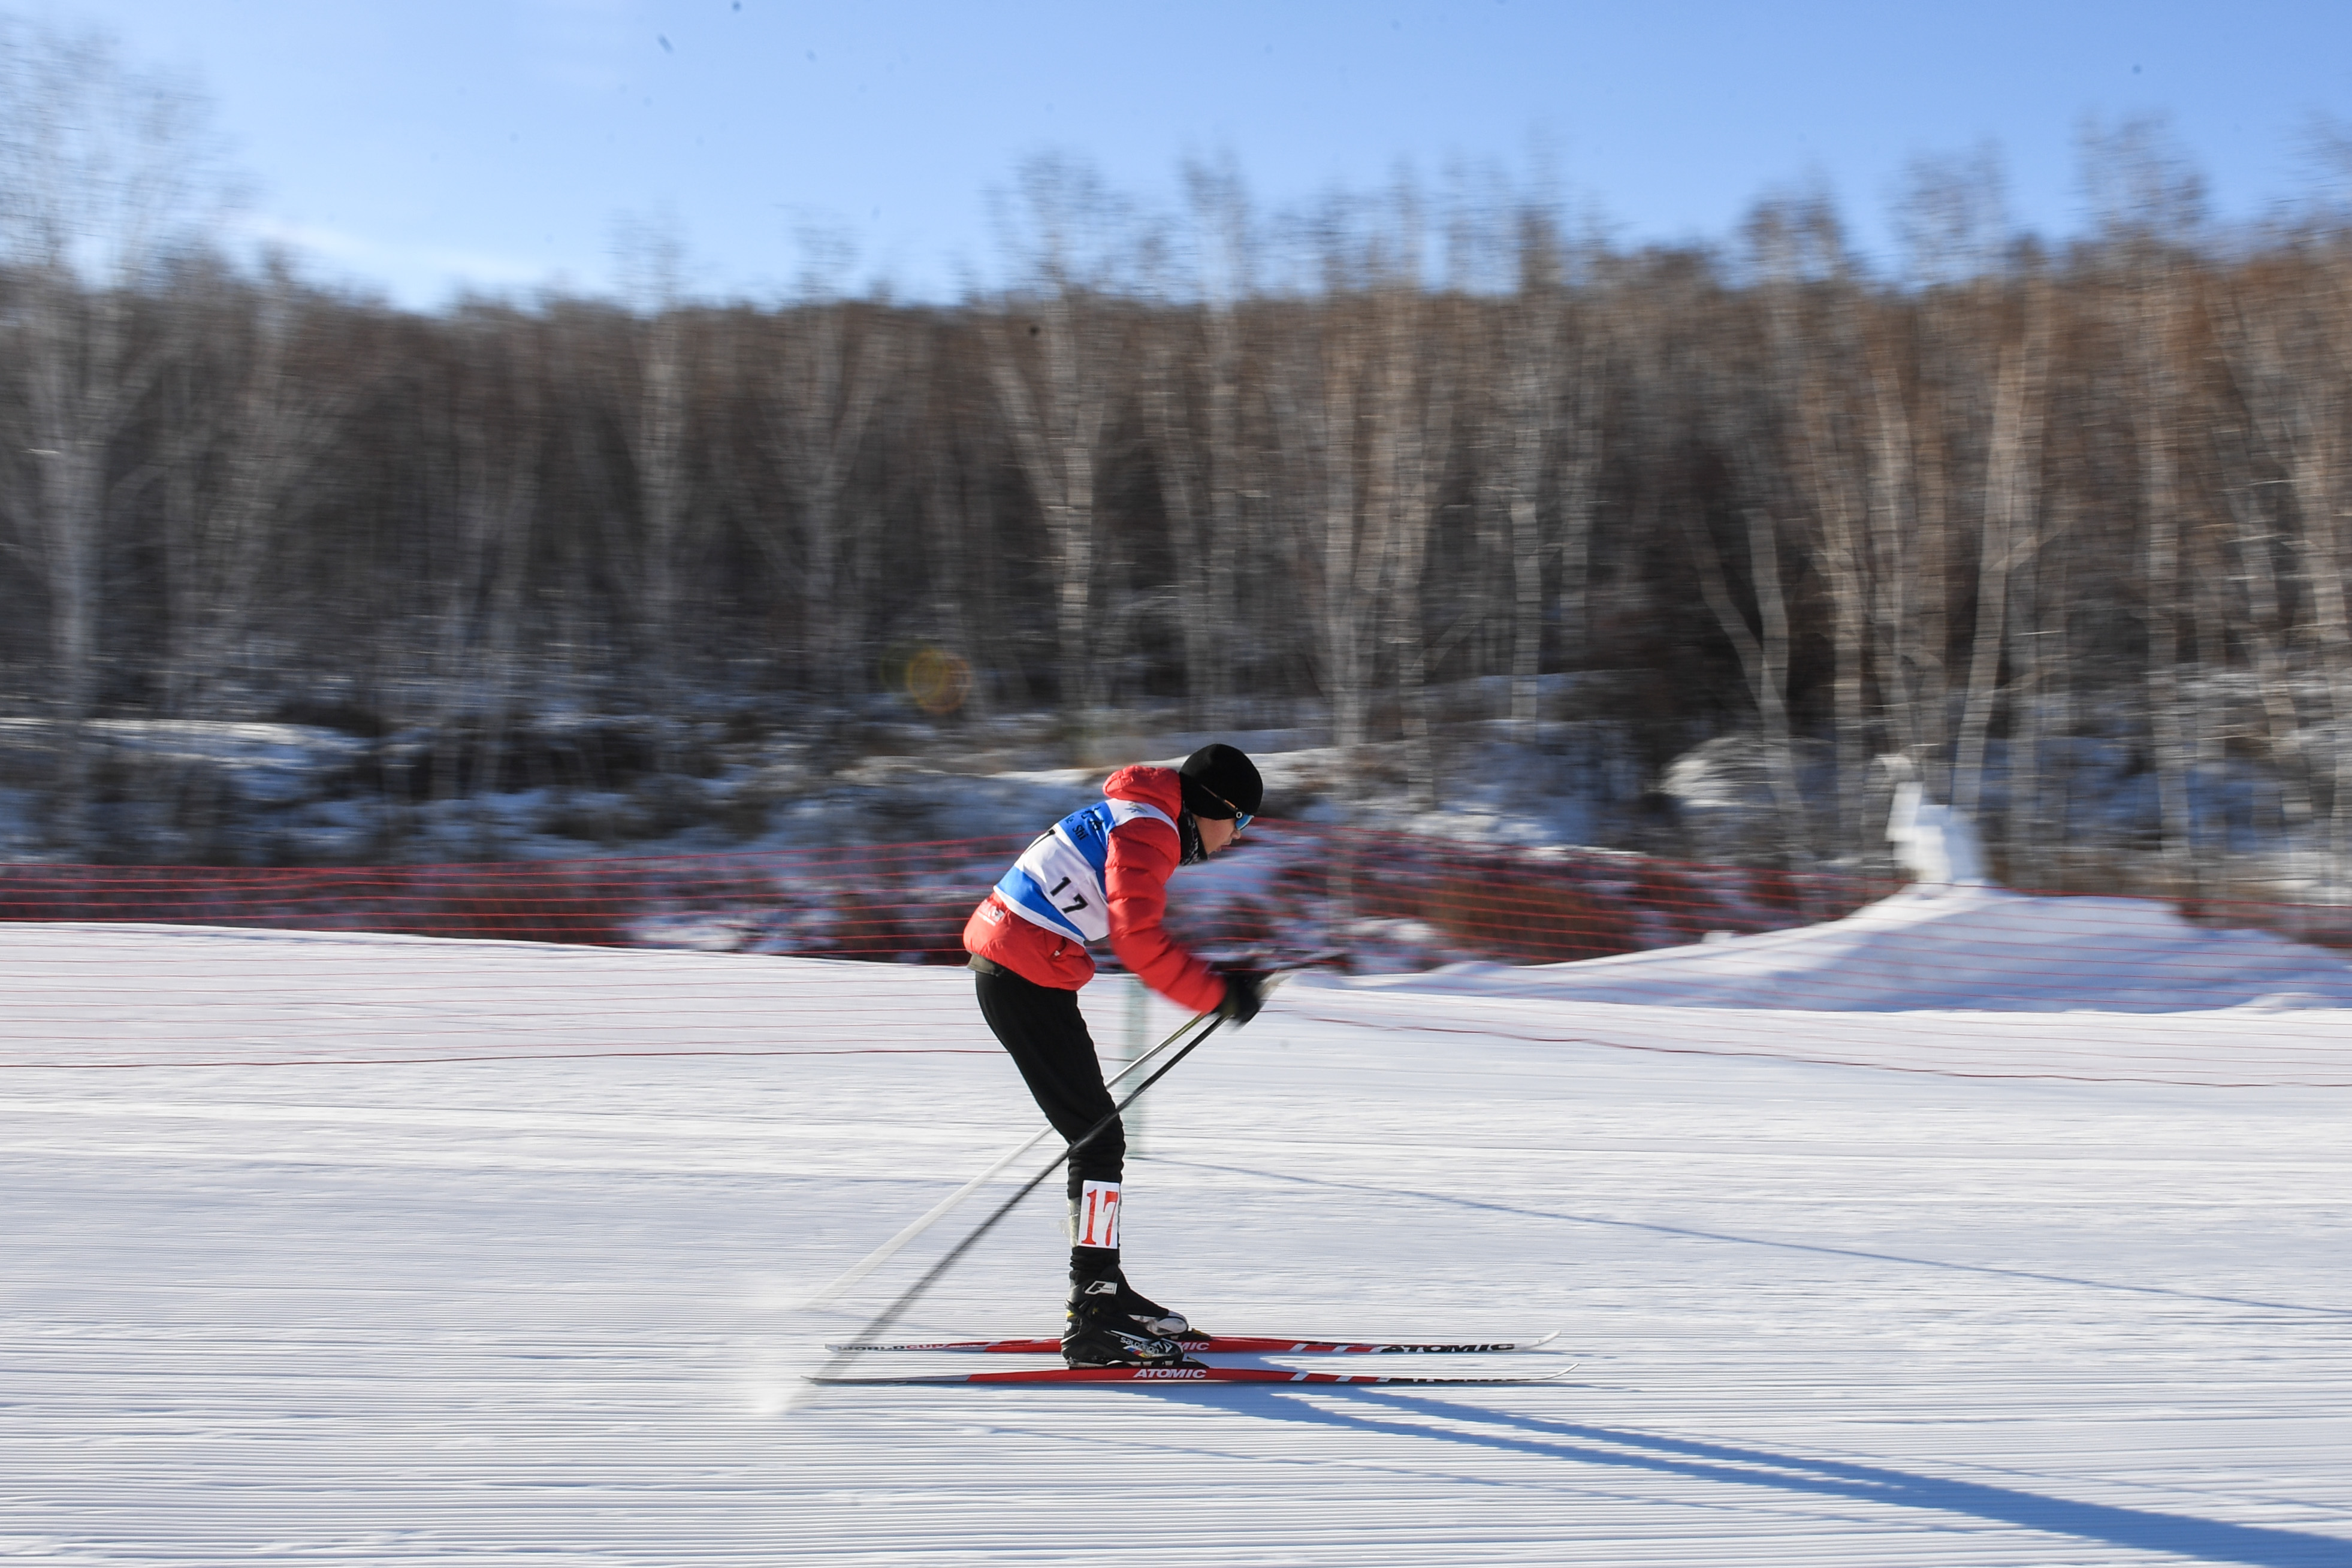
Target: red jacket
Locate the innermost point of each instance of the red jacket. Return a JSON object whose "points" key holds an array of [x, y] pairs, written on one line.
{"points": [[1143, 852]]}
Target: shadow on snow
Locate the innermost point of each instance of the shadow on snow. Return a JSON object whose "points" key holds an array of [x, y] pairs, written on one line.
{"points": [[2144, 1530]]}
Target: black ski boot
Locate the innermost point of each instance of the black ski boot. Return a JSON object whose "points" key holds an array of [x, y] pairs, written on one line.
{"points": [[1147, 1314], [1101, 1330], [1092, 1265]]}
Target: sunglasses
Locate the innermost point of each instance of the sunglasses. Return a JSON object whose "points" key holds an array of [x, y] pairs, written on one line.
{"points": [[1241, 818]]}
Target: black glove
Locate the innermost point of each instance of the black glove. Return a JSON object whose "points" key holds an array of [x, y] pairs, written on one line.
{"points": [[1244, 993]]}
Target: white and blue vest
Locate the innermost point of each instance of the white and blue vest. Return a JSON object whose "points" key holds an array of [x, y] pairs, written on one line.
{"points": [[1057, 883]]}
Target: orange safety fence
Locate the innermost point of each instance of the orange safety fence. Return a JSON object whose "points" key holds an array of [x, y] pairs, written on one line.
{"points": [[1289, 889], [2253, 992], [890, 901], [1366, 899]]}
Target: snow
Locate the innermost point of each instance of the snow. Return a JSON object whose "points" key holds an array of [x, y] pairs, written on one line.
{"points": [[1933, 842], [271, 764], [729, 773], [509, 1268], [1955, 947]]}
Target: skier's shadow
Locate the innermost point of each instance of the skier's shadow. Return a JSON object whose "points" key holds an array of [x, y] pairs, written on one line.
{"points": [[1367, 1410]]}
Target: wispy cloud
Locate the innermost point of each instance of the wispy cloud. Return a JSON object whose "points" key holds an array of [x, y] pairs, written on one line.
{"points": [[415, 274]]}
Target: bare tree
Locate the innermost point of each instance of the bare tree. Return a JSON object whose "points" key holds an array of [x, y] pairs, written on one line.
{"points": [[1053, 366], [1814, 345], [1551, 356], [487, 420], [816, 390], [2148, 203], [1414, 388], [1794, 243], [2249, 340], [252, 417], [2009, 533], [638, 365], [1952, 215], [106, 174], [1053, 384], [1193, 391], [2282, 352], [1316, 392]]}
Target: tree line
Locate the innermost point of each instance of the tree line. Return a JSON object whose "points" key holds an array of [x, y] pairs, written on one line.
{"points": [[2024, 495]]}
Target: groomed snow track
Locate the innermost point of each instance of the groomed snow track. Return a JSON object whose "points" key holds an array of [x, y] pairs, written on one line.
{"points": [[370, 1250]]}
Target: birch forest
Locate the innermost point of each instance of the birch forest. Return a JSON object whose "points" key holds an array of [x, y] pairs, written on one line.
{"points": [[1400, 463]]}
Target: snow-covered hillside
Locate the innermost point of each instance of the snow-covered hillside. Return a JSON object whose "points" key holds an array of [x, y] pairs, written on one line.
{"points": [[383, 1251]]}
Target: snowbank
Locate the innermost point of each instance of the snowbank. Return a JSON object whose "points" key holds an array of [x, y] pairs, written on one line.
{"points": [[1966, 947]]}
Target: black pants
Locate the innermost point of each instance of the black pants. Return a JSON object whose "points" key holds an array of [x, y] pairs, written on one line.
{"points": [[1043, 1030]]}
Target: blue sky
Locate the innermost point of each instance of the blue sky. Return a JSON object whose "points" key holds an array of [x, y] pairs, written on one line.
{"points": [[430, 144]]}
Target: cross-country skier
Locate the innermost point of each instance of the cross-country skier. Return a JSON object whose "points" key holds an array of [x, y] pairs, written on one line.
{"points": [[1100, 874]]}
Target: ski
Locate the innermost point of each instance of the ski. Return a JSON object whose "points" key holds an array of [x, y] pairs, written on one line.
{"points": [[1050, 1375], [1232, 1344]]}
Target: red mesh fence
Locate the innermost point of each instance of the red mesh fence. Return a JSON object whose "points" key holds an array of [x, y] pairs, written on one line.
{"points": [[1289, 890], [1386, 901], [1391, 898], [2254, 992], [903, 902]]}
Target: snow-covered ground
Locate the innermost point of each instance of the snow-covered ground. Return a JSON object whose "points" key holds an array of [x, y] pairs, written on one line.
{"points": [[366, 1250], [1964, 949]]}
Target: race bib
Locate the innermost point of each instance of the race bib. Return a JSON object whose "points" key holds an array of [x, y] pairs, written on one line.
{"points": [[1057, 883], [1097, 1216]]}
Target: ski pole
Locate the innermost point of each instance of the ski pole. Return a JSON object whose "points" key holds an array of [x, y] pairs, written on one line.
{"points": [[940, 1210], [890, 1314]]}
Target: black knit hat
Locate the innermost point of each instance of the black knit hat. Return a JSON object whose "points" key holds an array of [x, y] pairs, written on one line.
{"points": [[1219, 782]]}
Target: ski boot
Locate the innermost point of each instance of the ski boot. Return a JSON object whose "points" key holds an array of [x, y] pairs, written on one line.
{"points": [[1109, 1323], [1094, 1259], [1099, 1335], [1147, 1314]]}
